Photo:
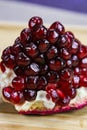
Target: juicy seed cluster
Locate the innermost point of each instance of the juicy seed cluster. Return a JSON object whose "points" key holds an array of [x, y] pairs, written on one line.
{"points": [[49, 59]]}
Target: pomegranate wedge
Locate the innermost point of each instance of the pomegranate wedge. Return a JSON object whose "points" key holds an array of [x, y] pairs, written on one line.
{"points": [[45, 70]]}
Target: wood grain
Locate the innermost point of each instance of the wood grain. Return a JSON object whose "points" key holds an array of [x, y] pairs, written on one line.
{"points": [[11, 120]]}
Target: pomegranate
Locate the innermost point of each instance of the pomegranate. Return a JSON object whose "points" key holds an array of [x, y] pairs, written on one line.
{"points": [[45, 70]]}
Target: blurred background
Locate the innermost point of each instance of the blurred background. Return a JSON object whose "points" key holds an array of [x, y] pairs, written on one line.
{"points": [[65, 11]]}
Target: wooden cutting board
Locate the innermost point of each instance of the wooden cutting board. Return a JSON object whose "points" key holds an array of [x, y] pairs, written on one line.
{"points": [[11, 120]]}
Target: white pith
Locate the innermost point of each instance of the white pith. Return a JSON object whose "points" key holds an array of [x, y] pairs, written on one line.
{"points": [[41, 102]]}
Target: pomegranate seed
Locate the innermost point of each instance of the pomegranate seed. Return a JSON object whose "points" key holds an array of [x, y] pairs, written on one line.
{"points": [[69, 63], [43, 46], [22, 59], [32, 69], [82, 51], [19, 83], [69, 40], [32, 82], [83, 62], [42, 82], [39, 33], [71, 92], [52, 36], [7, 92], [77, 71], [57, 64], [63, 100], [83, 71], [43, 69], [31, 50], [65, 54], [64, 84], [9, 60], [24, 35], [2, 66], [6, 52], [17, 97], [83, 80], [63, 41], [66, 74], [40, 59], [52, 77], [76, 81], [75, 60], [52, 52], [58, 27], [18, 70], [54, 95], [29, 95], [74, 46], [17, 47], [51, 86], [69, 34], [34, 22]]}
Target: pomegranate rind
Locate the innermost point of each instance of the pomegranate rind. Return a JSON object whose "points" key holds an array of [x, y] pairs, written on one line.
{"points": [[56, 110]]}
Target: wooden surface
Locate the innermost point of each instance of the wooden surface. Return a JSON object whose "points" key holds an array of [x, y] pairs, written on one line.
{"points": [[11, 120]]}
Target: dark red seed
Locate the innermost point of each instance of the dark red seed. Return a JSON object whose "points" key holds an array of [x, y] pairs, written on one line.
{"points": [[52, 52], [58, 27], [9, 60], [6, 52], [25, 35], [69, 34], [19, 83], [31, 50], [70, 39], [18, 70], [76, 81], [71, 92], [32, 82], [63, 100], [77, 71], [41, 83], [43, 69], [22, 59], [69, 63], [74, 46], [83, 71], [63, 41], [66, 74], [51, 86], [64, 84], [2, 67], [29, 95], [54, 95], [7, 92], [52, 36], [56, 64], [75, 60], [32, 69], [52, 77], [17, 47], [83, 62], [40, 59], [65, 54], [83, 80], [34, 22], [43, 46], [17, 97], [82, 51], [39, 33], [17, 40]]}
